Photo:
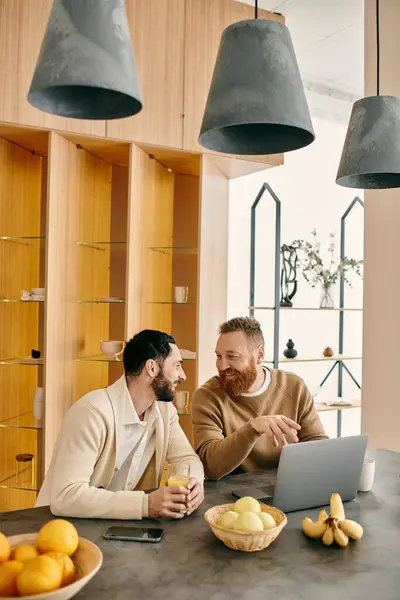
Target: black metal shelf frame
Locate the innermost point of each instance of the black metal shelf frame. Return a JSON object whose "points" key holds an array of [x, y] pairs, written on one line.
{"points": [[339, 365]]}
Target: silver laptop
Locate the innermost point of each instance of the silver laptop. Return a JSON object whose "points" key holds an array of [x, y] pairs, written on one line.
{"points": [[309, 472]]}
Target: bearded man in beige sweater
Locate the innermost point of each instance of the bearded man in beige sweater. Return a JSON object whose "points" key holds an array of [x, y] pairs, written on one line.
{"points": [[114, 442], [243, 417]]}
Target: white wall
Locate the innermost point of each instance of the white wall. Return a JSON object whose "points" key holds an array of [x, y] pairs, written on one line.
{"points": [[310, 198]]}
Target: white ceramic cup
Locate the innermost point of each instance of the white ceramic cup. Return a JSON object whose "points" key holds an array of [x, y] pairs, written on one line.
{"points": [[111, 347], [38, 402], [181, 294], [367, 475], [181, 400]]}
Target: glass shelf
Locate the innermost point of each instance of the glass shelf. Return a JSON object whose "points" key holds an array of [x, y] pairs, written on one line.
{"points": [[14, 486], [18, 300], [175, 303], [11, 238], [103, 245], [22, 360], [289, 309], [99, 358], [321, 407], [23, 421], [109, 301], [175, 249]]}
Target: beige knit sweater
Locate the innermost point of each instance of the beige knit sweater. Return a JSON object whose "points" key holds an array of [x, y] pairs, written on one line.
{"points": [[225, 440], [85, 455]]}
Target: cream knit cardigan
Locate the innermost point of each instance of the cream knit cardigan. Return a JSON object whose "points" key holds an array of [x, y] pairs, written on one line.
{"points": [[85, 455]]}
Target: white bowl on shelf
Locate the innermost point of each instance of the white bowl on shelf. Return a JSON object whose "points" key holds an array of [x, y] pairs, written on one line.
{"points": [[87, 559], [111, 347]]}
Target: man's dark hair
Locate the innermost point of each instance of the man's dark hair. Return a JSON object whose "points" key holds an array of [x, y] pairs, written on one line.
{"points": [[149, 344]]}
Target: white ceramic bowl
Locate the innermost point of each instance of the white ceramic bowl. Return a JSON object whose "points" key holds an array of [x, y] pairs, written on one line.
{"points": [[111, 347], [88, 560], [38, 291]]}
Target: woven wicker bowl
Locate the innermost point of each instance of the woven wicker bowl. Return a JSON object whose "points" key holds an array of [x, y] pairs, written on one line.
{"points": [[246, 542]]}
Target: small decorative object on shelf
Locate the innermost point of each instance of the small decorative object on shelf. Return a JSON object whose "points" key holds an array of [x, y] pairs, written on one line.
{"points": [[24, 470], [112, 348], [38, 401], [35, 353], [290, 352], [182, 401], [288, 275], [315, 272], [181, 294], [328, 352]]}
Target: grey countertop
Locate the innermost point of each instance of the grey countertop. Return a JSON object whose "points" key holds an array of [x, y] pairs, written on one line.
{"points": [[191, 564]]}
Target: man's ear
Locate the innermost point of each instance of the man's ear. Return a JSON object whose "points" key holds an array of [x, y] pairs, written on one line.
{"points": [[260, 355], [151, 368]]}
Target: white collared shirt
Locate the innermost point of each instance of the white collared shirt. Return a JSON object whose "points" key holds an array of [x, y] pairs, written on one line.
{"points": [[136, 446]]}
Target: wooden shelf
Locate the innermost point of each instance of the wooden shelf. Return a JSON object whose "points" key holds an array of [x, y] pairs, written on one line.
{"points": [[338, 357], [305, 308], [24, 421]]}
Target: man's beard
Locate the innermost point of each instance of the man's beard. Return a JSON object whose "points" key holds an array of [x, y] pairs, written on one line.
{"points": [[242, 380], [163, 388]]}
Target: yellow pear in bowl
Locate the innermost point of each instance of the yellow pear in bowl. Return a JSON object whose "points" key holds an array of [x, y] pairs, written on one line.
{"points": [[267, 520], [247, 504], [248, 522], [227, 520]]}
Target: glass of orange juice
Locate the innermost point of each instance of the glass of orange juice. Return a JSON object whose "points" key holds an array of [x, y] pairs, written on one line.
{"points": [[178, 475]]}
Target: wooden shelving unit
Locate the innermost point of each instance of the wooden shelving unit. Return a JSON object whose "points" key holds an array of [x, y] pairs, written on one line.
{"points": [[108, 230]]}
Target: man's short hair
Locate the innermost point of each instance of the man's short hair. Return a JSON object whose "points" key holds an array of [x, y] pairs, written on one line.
{"points": [[149, 344], [250, 327]]}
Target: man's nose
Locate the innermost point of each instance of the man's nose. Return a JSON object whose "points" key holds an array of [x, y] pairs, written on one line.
{"points": [[223, 364]]}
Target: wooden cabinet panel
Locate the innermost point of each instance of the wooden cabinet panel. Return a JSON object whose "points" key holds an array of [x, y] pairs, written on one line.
{"points": [[22, 26], [157, 29], [205, 22]]}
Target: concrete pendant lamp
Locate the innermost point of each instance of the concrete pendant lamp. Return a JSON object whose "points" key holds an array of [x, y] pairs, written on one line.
{"points": [[256, 102], [371, 152], [86, 68]]}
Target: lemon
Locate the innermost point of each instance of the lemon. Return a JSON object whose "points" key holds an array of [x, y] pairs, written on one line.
{"points": [[267, 520], [5, 549], [227, 520], [66, 566], [24, 553], [9, 572], [58, 536], [248, 522], [247, 504], [42, 574]]}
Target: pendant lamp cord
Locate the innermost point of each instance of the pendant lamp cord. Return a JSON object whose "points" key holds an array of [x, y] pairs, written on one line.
{"points": [[256, 10], [377, 49]]}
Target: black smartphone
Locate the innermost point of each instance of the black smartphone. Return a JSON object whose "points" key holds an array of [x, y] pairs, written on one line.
{"points": [[134, 534], [264, 495]]}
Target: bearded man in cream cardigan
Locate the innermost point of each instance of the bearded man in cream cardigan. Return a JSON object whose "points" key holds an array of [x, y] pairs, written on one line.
{"points": [[114, 442]]}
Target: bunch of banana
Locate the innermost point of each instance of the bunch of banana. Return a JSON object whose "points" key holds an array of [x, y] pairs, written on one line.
{"points": [[335, 528]]}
